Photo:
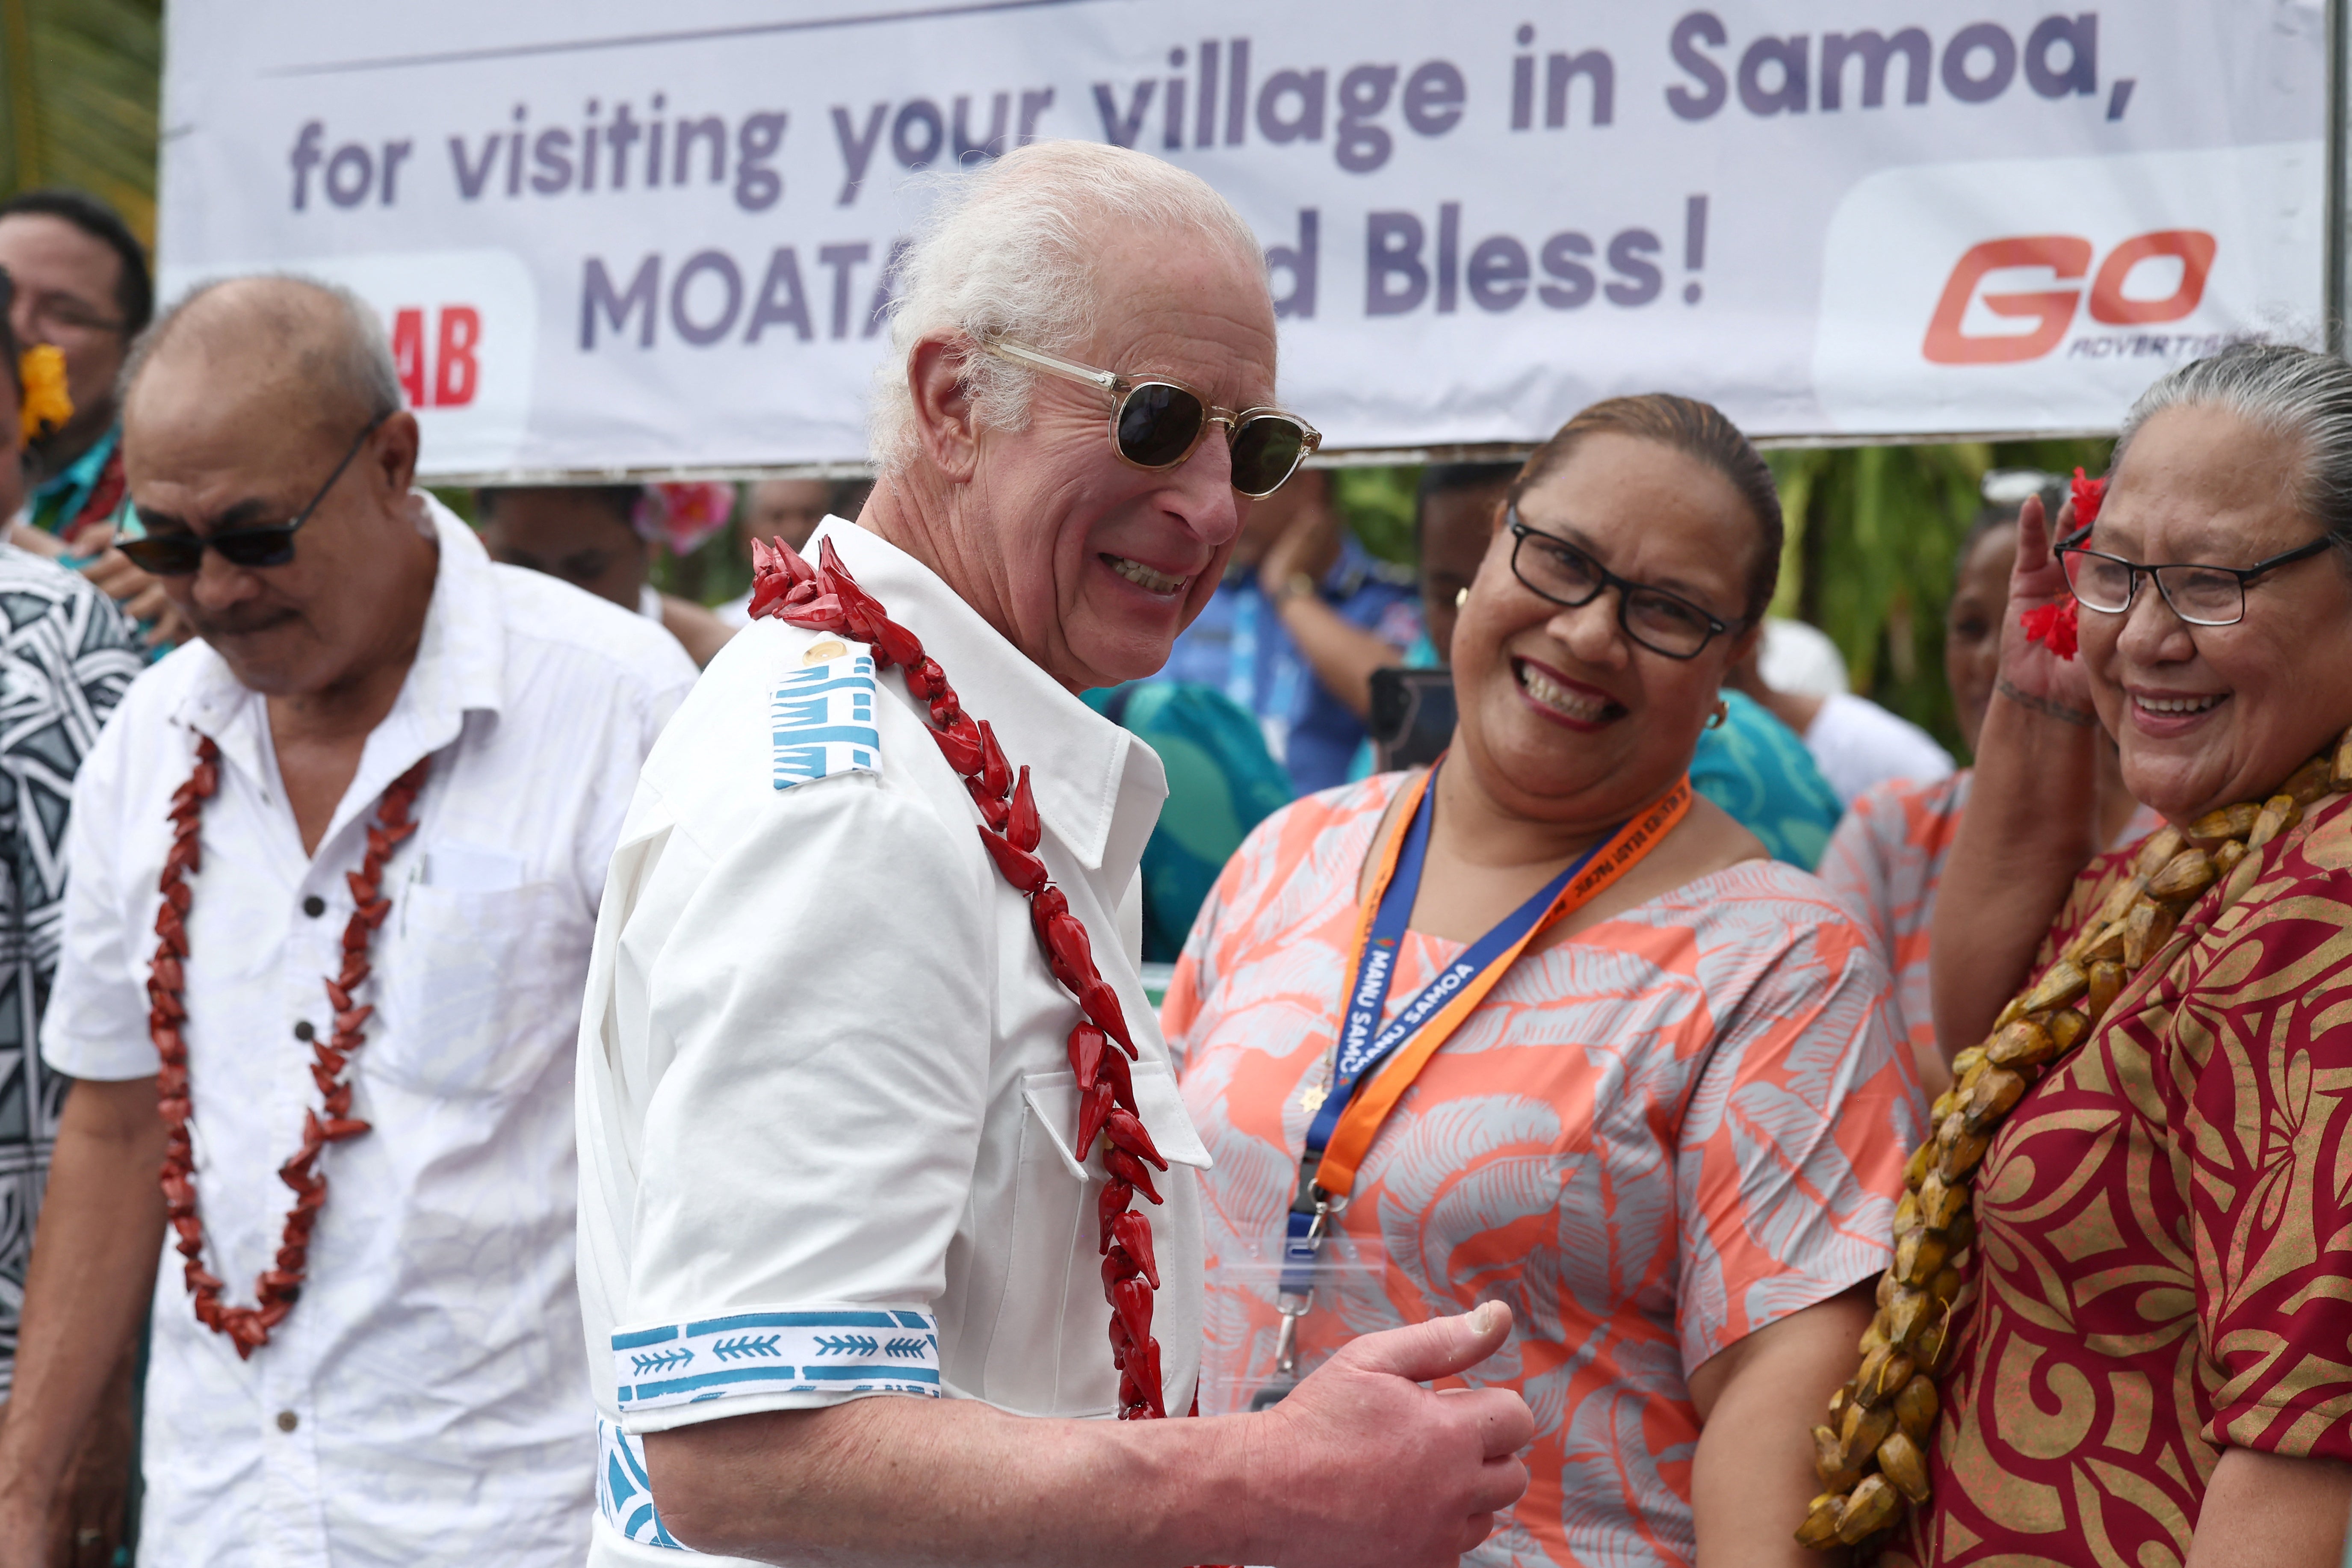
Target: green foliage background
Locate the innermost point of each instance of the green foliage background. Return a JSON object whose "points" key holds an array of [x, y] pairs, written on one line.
{"points": [[78, 81], [1871, 529]]}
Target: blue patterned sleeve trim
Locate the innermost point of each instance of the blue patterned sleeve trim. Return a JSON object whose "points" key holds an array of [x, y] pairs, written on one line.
{"points": [[832, 1351]]}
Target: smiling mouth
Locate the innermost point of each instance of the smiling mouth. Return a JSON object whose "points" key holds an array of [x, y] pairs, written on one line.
{"points": [[2182, 705], [1585, 708], [1149, 579]]}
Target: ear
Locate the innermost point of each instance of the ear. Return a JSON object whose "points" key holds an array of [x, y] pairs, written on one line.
{"points": [[395, 456], [943, 411]]}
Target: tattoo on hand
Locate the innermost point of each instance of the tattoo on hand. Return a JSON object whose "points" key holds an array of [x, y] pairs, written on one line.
{"points": [[2042, 705]]}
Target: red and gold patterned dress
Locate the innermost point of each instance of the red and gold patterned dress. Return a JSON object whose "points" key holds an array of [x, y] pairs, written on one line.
{"points": [[2165, 1259]]}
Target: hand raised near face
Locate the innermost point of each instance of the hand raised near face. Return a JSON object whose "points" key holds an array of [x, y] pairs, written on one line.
{"points": [[2033, 672], [1362, 1467]]}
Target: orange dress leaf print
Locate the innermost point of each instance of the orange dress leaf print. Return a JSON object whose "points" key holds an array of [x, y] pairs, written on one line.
{"points": [[1652, 1140]]}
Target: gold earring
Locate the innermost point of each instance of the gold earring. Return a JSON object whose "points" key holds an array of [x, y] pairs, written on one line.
{"points": [[1722, 714]]}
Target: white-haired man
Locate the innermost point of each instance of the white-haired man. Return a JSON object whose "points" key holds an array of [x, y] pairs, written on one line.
{"points": [[838, 1103], [334, 870]]}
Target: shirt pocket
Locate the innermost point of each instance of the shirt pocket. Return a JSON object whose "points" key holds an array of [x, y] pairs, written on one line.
{"points": [[1049, 1350], [482, 987]]}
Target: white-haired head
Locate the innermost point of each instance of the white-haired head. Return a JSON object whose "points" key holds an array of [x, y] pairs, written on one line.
{"points": [[1011, 249]]}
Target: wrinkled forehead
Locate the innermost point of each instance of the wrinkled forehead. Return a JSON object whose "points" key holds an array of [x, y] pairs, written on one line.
{"points": [[2199, 482], [1186, 303]]}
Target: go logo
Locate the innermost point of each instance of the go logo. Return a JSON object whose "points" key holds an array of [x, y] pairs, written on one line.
{"points": [[2068, 258]]}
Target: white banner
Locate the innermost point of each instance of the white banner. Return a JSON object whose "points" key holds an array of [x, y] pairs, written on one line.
{"points": [[609, 236]]}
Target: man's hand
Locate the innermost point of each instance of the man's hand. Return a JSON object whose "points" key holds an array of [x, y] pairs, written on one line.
{"points": [[1361, 1468], [141, 595]]}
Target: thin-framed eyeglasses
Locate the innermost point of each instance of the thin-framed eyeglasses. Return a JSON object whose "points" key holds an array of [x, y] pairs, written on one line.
{"points": [[1567, 575], [2200, 594], [181, 550], [1158, 422]]}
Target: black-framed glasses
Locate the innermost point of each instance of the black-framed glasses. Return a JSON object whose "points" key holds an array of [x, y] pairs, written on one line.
{"points": [[2199, 594], [181, 551], [1157, 422], [1664, 622]]}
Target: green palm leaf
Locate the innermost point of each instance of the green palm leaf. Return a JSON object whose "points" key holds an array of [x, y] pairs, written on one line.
{"points": [[77, 99]]}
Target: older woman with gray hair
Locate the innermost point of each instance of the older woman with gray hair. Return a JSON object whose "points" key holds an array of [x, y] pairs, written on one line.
{"points": [[2125, 1250], [872, 1105]]}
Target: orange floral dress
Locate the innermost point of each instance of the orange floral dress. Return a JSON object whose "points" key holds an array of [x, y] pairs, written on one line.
{"points": [[1887, 859], [1651, 1140], [2166, 1238]]}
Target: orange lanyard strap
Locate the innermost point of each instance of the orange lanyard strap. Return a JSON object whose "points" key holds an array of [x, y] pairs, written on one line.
{"points": [[1383, 1083]]}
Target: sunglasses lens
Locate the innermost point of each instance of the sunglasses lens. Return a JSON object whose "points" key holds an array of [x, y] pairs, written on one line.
{"points": [[1266, 449], [256, 546], [165, 555], [1157, 424]]}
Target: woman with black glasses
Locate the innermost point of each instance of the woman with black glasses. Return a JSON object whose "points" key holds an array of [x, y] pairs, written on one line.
{"points": [[1540, 1026]]}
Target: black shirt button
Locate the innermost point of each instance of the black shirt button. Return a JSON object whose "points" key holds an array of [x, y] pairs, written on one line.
{"points": [[314, 905], [304, 1032]]}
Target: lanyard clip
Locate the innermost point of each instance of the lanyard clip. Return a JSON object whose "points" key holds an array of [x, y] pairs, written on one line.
{"points": [[1294, 1303]]}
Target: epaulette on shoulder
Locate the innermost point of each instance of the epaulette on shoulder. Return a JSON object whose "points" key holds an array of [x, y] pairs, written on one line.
{"points": [[821, 716]]}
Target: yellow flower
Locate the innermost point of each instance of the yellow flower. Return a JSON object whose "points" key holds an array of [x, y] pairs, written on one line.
{"points": [[45, 406]]}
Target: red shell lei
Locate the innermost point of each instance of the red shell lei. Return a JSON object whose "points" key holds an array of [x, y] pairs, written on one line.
{"points": [[826, 598], [277, 1288]]}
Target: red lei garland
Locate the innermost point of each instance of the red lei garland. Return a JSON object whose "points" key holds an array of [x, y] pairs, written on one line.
{"points": [[826, 598], [277, 1288]]}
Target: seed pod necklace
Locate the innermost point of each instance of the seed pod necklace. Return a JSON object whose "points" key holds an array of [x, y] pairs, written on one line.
{"points": [[825, 598], [1871, 1454], [276, 1289]]}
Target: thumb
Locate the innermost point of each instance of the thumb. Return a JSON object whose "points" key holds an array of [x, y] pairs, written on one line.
{"points": [[1438, 1348]]}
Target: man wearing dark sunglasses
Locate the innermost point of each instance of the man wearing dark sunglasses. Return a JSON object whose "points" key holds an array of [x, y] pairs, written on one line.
{"points": [[828, 1114], [399, 770]]}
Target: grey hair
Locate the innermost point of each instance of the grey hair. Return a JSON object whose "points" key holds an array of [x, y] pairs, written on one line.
{"points": [[2281, 390], [350, 364], [1010, 250]]}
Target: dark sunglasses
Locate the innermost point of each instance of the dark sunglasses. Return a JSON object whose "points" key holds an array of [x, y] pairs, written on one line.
{"points": [[1157, 422], [181, 551]]}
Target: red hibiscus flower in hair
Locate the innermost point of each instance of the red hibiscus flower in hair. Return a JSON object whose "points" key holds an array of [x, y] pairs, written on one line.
{"points": [[2052, 626], [2088, 493]]}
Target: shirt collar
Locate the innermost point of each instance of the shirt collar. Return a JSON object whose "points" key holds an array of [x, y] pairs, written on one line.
{"points": [[459, 669], [79, 478], [1097, 788]]}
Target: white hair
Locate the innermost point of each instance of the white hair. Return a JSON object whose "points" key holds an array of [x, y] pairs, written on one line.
{"points": [[2284, 391], [1011, 249]]}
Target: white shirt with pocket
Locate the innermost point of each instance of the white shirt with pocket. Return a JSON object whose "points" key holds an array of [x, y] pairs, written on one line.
{"points": [[826, 1113], [423, 1401]]}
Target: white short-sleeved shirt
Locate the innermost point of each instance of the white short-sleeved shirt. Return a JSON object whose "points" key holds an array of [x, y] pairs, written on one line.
{"points": [[1857, 743], [825, 1107], [422, 1404]]}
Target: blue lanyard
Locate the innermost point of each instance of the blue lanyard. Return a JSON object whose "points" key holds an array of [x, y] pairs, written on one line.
{"points": [[1363, 1045]]}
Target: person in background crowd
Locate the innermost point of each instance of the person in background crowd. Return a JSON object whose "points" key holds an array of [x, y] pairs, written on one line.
{"points": [[788, 510], [1756, 768], [82, 285], [594, 537], [405, 768], [1854, 742], [2149, 1365], [830, 1088], [66, 658], [1250, 641], [1887, 855], [1222, 782], [1666, 1135]]}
